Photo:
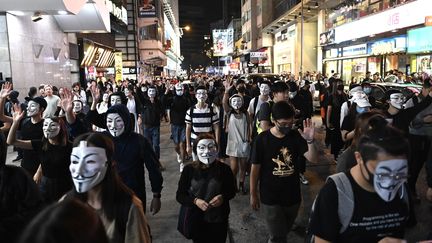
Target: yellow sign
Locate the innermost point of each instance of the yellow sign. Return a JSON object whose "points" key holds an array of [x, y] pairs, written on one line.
{"points": [[118, 67]]}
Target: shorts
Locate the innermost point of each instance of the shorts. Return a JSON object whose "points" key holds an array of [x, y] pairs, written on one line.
{"points": [[178, 133]]}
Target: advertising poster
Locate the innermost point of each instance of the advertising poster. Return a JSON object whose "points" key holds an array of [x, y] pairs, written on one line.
{"points": [[223, 42], [147, 8], [118, 66]]}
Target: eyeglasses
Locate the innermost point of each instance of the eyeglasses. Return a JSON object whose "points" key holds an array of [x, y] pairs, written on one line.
{"points": [[201, 92], [285, 124]]}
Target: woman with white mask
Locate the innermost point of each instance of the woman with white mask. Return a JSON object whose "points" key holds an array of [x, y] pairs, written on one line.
{"points": [[237, 125], [54, 150], [97, 183], [206, 186]]}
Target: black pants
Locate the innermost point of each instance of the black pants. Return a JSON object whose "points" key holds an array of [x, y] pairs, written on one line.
{"points": [[336, 142], [3, 149], [420, 146], [211, 233]]}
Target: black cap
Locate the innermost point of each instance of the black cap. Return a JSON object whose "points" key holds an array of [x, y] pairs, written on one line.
{"points": [[390, 92], [41, 101], [13, 96]]}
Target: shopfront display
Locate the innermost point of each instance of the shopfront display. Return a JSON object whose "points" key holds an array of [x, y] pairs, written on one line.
{"points": [[420, 45]]}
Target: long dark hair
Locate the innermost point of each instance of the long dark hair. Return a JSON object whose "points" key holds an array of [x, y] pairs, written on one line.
{"points": [[116, 196], [197, 164]]}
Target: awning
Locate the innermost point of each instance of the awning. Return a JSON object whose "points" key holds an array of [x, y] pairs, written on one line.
{"points": [[93, 17], [49, 7]]}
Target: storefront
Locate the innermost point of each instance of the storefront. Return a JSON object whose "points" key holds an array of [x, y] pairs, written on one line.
{"points": [[420, 46], [261, 60], [284, 51], [96, 59]]}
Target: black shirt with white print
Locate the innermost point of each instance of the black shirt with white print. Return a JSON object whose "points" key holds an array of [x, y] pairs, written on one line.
{"points": [[373, 219], [278, 157]]}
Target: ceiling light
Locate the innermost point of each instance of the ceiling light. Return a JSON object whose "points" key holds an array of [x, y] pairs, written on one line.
{"points": [[36, 17], [316, 4], [62, 12]]}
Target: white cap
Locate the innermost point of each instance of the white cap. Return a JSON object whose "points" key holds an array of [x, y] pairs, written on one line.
{"points": [[362, 102]]}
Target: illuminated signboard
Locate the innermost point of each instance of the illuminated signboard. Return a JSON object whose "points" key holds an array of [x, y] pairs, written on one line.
{"points": [[223, 42], [354, 50], [118, 66], [120, 13], [419, 40], [388, 45]]}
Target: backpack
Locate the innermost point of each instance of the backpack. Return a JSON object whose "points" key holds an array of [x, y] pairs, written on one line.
{"points": [[346, 201], [257, 123]]}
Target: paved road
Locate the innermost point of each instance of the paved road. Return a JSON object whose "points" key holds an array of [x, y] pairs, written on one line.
{"points": [[247, 225]]}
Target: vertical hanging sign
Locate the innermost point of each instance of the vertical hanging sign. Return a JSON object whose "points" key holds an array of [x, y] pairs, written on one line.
{"points": [[118, 67]]}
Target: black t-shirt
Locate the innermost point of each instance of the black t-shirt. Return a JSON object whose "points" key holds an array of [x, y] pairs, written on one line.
{"points": [[336, 102], [264, 113], [55, 160], [152, 112], [178, 106], [372, 220], [348, 123], [279, 178], [29, 131]]}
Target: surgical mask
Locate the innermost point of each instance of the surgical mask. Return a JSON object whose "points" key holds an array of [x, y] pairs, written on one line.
{"points": [[236, 102], [115, 100], [397, 100], [143, 89], [201, 96], [115, 124], [264, 89], [88, 166], [389, 177], [33, 108], [367, 90], [50, 128], [151, 93], [77, 107], [361, 110], [207, 151], [285, 129], [292, 94], [105, 97], [179, 92]]}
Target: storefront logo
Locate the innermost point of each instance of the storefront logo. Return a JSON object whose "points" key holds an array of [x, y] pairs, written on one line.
{"points": [[354, 50], [386, 46], [119, 13]]}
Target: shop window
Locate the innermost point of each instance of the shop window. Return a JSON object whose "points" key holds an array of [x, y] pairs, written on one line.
{"points": [[148, 32]]}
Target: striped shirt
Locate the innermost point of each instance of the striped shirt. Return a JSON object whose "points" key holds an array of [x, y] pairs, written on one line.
{"points": [[201, 120]]}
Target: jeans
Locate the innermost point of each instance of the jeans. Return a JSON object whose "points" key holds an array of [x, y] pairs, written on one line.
{"points": [[279, 221], [153, 135]]}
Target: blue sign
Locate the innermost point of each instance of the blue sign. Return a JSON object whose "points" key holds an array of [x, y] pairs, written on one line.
{"points": [[387, 45], [419, 40]]}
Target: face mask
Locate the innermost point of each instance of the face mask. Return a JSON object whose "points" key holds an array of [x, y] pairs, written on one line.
{"points": [[241, 89], [236, 102], [105, 97], [361, 110], [206, 151], [151, 93], [88, 166], [367, 90], [397, 101], [143, 89], [115, 124], [179, 92], [201, 96], [358, 95], [115, 100], [32, 108], [284, 130], [211, 83], [264, 89], [127, 92], [77, 107], [50, 128], [292, 94], [389, 176]]}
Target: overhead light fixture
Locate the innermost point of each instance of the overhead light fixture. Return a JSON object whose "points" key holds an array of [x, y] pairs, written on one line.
{"points": [[62, 12], [309, 10], [36, 17], [316, 5]]}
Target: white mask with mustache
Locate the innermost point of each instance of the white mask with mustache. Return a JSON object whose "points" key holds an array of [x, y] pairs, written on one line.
{"points": [[389, 176]]}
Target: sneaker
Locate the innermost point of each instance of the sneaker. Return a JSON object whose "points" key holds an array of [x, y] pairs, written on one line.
{"points": [[17, 158], [303, 179], [181, 167], [179, 158], [429, 194]]}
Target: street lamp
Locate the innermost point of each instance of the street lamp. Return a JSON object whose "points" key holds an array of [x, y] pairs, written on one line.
{"points": [[187, 28]]}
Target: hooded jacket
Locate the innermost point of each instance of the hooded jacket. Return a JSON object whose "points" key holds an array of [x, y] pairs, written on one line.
{"points": [[131, 152]]}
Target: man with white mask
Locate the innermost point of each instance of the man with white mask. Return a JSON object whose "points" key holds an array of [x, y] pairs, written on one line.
{"points": [[76, 120], [255, 104], [30, 127], [177, 104], [201, 118], [355, 93], [152, 112], [131, 152], [368, 203]]}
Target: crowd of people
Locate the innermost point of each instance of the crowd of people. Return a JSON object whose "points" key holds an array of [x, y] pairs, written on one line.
{"points": [[83, 153]]}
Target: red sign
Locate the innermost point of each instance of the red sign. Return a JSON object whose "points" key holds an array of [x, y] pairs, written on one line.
{"points": [[234, 66]]}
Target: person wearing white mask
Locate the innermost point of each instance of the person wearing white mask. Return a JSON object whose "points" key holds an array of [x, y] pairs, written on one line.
{"points": [[237, 125], [76, 119], [206, 186], [101, 108], [368, 203], [54, 149], [201, 118], [177, 103], [96, 183], [134, 106], [151, 116], [255, 104], [355, 93]]}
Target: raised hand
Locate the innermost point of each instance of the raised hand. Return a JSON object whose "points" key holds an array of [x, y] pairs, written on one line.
{"points": [[228, 85], [95, 92], [66, 99], [308, 130], [18, 113], [6, 89]]}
